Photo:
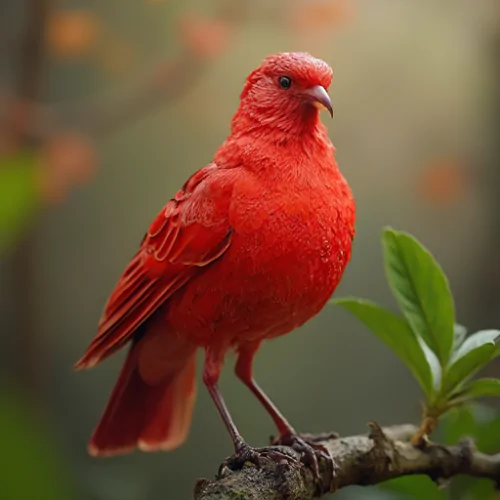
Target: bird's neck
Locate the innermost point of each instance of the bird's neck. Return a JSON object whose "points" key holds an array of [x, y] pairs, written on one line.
{"points": [[265, 149], [293, 124]]}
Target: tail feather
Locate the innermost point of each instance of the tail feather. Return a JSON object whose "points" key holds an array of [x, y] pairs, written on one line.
{"points": [[144, 415], [168, 427]]}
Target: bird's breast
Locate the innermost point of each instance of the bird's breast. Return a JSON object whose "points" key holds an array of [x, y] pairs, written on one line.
{"points": [[298, 240], [288, 251]]}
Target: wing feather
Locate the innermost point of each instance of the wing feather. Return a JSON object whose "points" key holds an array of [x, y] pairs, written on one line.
{"points": [[189, 233]]}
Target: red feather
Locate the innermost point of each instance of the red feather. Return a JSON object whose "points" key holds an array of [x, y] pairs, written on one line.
{"points": [[165, 405]]}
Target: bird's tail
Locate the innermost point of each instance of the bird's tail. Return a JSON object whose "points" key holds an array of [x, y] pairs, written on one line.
{"points": [[149, 414]]}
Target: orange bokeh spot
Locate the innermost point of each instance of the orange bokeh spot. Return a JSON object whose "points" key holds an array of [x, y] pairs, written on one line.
{"points": [[66, 160], [442, 182], [313, 15], [72, 33], [204, 37]]}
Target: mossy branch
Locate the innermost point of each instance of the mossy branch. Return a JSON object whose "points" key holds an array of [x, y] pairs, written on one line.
{"points": [[362, 460]]}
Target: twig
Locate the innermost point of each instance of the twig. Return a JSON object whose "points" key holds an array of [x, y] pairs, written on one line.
{"points": [[362, 460]]}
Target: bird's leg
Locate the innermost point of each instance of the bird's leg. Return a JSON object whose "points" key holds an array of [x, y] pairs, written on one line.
{"points": [[243, 451], [309, 449], [243, 370], [210, 378]]}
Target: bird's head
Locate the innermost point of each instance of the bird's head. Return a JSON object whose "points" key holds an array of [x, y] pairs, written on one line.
{"points": [[286, 92]]}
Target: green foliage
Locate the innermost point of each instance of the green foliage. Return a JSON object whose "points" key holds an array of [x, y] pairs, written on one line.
{"points": [[18, 195], [30, 468], [422, 291], [426, 337], [475, 353], [484, 387]]}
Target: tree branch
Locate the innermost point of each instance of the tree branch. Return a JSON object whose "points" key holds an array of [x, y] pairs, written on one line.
{"points": [[361, 460]]}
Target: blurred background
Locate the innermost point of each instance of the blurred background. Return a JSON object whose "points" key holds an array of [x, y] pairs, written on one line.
{"points": [[106, 107]]}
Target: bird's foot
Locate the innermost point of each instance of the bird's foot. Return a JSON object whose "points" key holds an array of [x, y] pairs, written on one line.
{"points": [[311, 453], [258, 456]]}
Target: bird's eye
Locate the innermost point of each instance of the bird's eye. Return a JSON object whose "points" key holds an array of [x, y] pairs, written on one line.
{"points": [[285, 82]]}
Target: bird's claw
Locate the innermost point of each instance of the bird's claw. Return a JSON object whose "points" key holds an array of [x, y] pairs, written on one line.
{"points": [[257, 456], [307, 451], [311, 453]]}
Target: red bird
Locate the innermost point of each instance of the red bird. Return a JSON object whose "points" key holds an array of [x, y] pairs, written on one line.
{"points": [[251, 247]]}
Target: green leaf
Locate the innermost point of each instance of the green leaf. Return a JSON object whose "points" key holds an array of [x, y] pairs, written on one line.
{"points": [[433, 363], [422, 291], [474, 420], [483, 387], [488, 436], [475, 353], [496, 352], [475, 340], [396, 334], [19, 195], [459, 333], [457, 423]]}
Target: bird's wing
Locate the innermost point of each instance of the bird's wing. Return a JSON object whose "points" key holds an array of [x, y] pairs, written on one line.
{"points": [[189, 233]]}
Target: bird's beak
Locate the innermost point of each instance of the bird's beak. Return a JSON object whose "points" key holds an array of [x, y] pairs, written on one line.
{"points": [[320, 98]]}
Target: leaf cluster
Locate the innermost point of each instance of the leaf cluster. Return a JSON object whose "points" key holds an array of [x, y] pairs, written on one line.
{"points": [[425, 335]]}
